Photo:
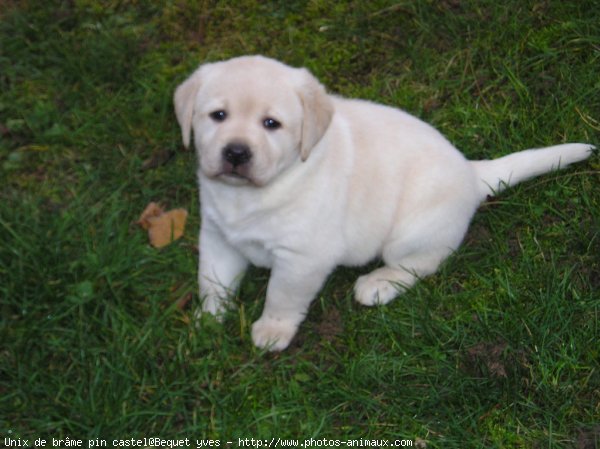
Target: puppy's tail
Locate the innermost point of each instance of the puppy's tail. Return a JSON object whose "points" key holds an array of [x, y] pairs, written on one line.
{"points": [[498, 174]]}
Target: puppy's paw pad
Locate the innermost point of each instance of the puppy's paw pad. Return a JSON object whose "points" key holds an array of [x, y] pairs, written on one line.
{"points": [[371, 291], [271, 334]]}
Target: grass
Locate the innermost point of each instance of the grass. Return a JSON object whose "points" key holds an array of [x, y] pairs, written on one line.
{"points": [[498, 349]]}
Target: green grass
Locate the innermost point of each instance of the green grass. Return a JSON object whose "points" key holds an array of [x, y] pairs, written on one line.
{"points": [[498, 349]]}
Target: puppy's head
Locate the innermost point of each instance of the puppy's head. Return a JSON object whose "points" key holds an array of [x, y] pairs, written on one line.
{"points": [[252, 117]]}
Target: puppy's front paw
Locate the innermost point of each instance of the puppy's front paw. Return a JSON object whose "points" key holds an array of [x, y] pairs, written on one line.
{"points": [[272, 334], [212, 305]]}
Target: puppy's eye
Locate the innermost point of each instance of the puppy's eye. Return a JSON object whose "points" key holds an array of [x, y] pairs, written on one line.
{"points": [[271, 123], [218, 116]]}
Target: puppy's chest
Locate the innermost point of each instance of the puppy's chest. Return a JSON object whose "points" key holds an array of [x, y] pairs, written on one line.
{"points": [[256, 243], [256, 236], [257, 254]]}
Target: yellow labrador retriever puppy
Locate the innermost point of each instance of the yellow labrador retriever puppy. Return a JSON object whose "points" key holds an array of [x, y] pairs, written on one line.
{"points": [[300, 181]]}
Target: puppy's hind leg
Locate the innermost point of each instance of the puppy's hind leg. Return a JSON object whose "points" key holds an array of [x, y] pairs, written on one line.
{"points": [[386, 283], [411, 254], [419, 243]]}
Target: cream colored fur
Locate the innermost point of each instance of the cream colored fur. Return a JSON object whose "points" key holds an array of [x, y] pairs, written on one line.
{"points": [[340, 182]]}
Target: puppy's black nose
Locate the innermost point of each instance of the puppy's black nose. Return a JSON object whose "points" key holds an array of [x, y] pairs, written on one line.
{"points": [[237, 154]]}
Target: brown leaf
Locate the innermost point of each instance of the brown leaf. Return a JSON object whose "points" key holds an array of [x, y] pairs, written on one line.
{"points": [[163, 227], [167, 227], [152, 210]]}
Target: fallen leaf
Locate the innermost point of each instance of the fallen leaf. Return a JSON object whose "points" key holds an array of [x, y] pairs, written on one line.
{"points": [[167, 227], [152, 210], [163, 227]]}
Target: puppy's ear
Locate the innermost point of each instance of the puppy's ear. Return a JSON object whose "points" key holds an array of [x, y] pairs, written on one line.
{"points": [[318, 110], [184, 97]]}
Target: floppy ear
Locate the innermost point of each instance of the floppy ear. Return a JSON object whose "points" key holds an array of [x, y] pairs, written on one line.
{"points": [[317, 109], [184, 97]]}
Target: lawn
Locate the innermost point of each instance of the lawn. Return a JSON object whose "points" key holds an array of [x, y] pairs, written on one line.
{"points": [[499, 349]]}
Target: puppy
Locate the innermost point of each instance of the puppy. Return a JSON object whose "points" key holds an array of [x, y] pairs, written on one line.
{"points": [[300, 181]]}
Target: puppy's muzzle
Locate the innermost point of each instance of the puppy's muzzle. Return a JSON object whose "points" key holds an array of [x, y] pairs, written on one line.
{"points": [[236, 162], [237, 154]]}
